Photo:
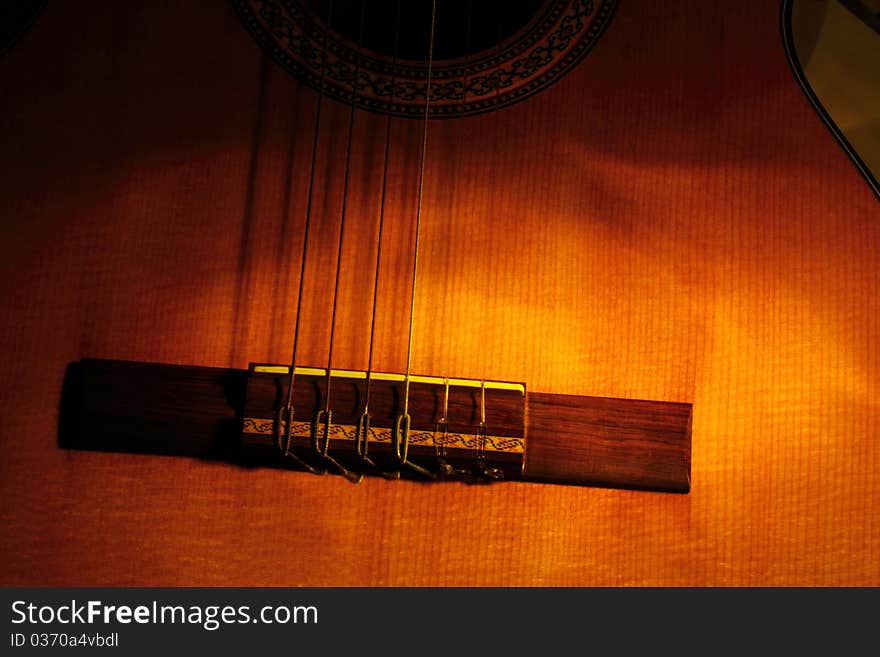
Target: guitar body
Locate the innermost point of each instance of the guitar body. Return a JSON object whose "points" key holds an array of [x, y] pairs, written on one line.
{"points": [[668, 221]]}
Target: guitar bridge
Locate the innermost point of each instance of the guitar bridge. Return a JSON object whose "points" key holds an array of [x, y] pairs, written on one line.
{"points": [[229, 414], [466, 424]]}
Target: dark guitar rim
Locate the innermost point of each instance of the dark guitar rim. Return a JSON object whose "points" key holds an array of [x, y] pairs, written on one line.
{"points": [[799, 74], [16, 18]]}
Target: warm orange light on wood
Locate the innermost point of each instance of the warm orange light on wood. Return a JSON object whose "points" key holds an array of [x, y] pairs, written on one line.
{"points": [[670, 221]]}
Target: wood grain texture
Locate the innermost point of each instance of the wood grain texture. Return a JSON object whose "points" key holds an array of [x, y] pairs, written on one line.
{"points": [[671, 221], [629, 443]]}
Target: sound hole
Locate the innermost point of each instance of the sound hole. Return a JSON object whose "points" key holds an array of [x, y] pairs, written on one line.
{"points": [[488, 54], [463, 28]]}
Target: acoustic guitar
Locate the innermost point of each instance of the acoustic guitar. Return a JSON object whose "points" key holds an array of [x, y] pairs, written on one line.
{"points": [[586, 286]]}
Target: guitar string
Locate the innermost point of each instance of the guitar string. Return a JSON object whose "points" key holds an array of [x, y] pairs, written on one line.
{"points": [[480, 435], [324, 417], [412, 306], [343, 214], [440, 450], [480, 443], [481, 439], [288, 408], [363, 427]]}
